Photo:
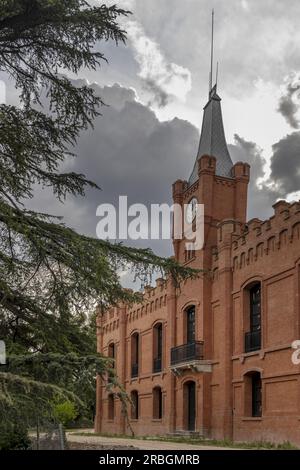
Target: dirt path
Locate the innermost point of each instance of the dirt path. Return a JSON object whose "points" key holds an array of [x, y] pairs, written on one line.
{"points": [[138, 444]]}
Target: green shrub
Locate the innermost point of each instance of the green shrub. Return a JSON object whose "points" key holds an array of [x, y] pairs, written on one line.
{"points": [[65, 412], [14, 437]]}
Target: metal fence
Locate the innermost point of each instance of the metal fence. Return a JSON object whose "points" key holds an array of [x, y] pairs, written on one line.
{"points": [[48, 436]]}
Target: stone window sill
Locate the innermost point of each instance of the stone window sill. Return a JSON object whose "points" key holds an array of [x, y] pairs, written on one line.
{"points": [[252, 418]]}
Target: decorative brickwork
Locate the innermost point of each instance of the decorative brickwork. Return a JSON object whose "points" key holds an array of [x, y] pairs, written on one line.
{"points": [[225, 368]]}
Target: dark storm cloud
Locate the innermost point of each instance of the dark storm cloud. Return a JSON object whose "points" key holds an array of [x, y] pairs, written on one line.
{"points": [[284, 176], [285, 164], [289, 105], [254, 39], [260, 198], [128, 152]]}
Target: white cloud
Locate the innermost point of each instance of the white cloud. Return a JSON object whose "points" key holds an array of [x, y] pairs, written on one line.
{"points": [[245, 5], [157, 73], [2, 92], [164, 79], [289, 103], [292, 197]]}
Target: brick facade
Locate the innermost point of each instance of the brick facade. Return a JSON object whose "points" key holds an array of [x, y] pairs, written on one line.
{"points": [[235, 379]]}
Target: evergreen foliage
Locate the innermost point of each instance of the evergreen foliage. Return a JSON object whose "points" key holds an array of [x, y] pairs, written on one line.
{"points": [[51, 276]]}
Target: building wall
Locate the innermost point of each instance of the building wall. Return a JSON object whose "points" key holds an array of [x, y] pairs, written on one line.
{"points": [[235, 255]]}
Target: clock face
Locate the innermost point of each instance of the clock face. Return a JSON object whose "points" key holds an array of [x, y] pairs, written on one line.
{"points": [[191, 210]]}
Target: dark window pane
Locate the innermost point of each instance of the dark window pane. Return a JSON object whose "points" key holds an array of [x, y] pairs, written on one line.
{"points": [[255, 308], [256, 396], [190, 327]]}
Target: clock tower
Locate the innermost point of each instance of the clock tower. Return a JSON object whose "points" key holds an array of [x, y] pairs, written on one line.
{"points": [[221, 187], [215, 182]]}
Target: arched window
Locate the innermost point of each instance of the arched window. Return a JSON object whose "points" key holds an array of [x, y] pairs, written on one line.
{"points": [[134, 404], [157, 403], [190, 324], [111, 407], [135, 346], [111, 350], [189, 405], [157, 347], [111, 355], [253, 301], [253, 394]]}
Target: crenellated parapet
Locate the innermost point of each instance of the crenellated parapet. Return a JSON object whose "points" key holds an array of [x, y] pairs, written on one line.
{"points": [[154, 298], [109, 320], [261, 238]]}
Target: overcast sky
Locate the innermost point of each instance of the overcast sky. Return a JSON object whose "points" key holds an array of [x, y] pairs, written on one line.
{"points": [[157, 85]]}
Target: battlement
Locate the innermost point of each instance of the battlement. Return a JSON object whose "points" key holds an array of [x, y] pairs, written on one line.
{"points": [[207, 165], [154, 298], [259, 238]]}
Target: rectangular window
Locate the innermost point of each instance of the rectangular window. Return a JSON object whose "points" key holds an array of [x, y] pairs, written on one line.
{"points": [[135, 355], [255, 308], [157, 403], [157, 348], [111, 407], [191, 325], [253, 337], [256, 396]]}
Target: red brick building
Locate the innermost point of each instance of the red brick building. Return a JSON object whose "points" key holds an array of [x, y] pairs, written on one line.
{"points": [[214, 357]]}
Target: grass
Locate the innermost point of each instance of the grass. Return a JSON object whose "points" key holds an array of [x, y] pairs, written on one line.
{"points": [[259, 445]]}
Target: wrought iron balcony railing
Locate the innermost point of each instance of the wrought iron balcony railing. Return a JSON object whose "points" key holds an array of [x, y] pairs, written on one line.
{"points": [[252, 341], [157, 365], [134, 370], [187, 352]]}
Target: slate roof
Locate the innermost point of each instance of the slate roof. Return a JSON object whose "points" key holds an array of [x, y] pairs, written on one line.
{"points": [[212, 139]]}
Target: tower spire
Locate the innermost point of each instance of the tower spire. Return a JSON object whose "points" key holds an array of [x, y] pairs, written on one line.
{"points": [[212, 138], [211, 51]]}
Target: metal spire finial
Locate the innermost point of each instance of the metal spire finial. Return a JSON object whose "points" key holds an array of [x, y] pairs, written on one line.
{"points": [[212, 51]]}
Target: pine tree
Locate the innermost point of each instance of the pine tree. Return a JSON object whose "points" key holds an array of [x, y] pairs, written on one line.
{"points": [[50, 276]]}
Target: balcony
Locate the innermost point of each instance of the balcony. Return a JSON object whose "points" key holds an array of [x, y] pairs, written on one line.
{"points": [[252, 341], [189, 356], [134, 370], [157, 365]]}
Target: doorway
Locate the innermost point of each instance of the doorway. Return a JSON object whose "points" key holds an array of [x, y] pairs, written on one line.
{"points": [[190, 405]]}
